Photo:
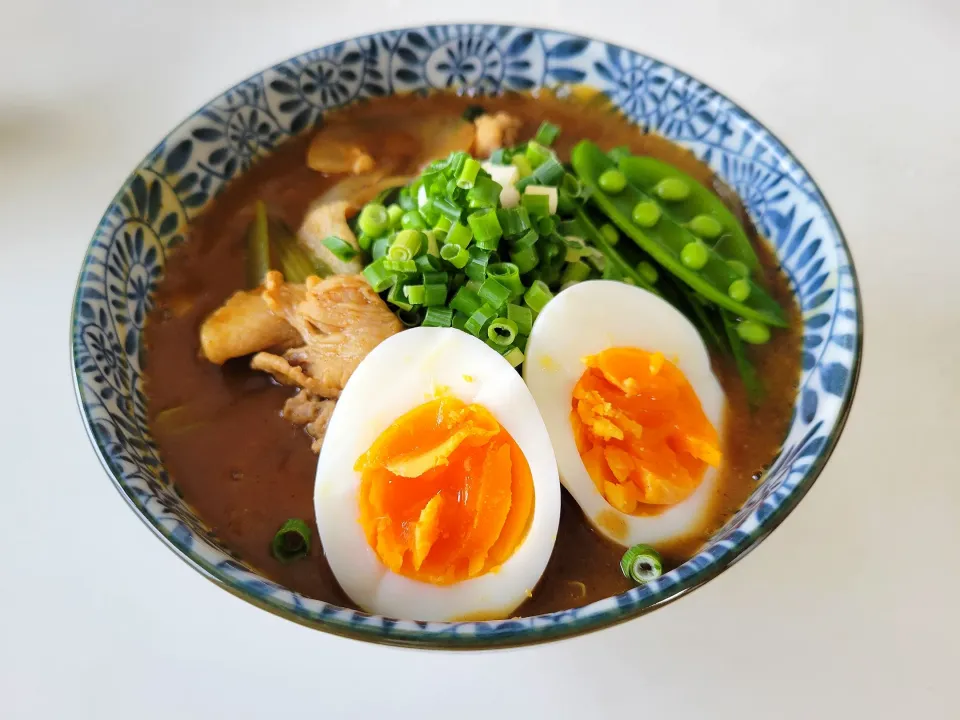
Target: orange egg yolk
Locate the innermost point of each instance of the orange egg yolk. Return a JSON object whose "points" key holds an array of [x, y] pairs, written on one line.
{"points": [[640, 430], [446, 493]]}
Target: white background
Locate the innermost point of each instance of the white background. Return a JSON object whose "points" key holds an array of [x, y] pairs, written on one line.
{"points": [[850, 609]]}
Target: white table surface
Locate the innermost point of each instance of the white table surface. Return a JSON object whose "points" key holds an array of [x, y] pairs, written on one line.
{"points": [[850, 609]]}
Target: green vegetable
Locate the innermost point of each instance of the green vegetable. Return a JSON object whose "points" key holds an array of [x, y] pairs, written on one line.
{"points": [[753, 332], [484, 194], [435, 294], [514, 356], [494, 293], [413, 220], [522, 316], [486, 228], [400, 266], [514, 221], [537, 296], [394, 216], [537, 154], [398, 296], [292, 541], [610, 234], [477, 322], [296, 262], [341, 249], [502, 331], [455, 255], [739, 290], [459, 234], [547, 133], [641, 563], [646, 214], [378, 277], [508, 275], [438, 317], [665, 242], [614, 258], [672, 189], [705, 227], [466, 301], [648, 271], [739, 268], [612, 181], [468, 174], [405, 245], [379, 248], [411, 317], [525, 259], [646, 172], [476, 268], [751, 380], [258, 246], [373, 220], [575, 272], [694, 255], [414, 293], [536, 205]]}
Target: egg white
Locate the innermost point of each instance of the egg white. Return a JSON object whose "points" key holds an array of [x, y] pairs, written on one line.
{"points": [[583, 320], [401, 373]]}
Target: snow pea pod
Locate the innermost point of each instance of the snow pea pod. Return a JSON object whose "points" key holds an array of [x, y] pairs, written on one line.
{"points": [[665, 241], [594, 236], [751, 380], [701, 211]]}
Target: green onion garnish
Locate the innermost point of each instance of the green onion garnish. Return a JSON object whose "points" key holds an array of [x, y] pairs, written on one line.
{"points": [[486, 228], [378, 276], [493, 293], [292, 541], [447, 209], [427, 263], [641, 563], [476, 268], [405, 246], [537, 296], [575, 272], [400, 266], [526, 259], [374, 220], [460, 321], [340, 248], [397, 295], [394, 215], [466, 301], [413, 220], [522, 165], [537, 154], [435, 294], [459, 234], [477, 322], [508, 275], [514, 221], [379, 248], [514, 356], [455, 255], [484, 194], [522, 316], [438, 317], [502, 331], [414, 293], [410, 318], [547, 133], [468, 174], [537, 205]]}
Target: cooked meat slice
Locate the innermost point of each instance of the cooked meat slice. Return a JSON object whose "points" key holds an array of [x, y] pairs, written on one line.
{"points": [[495, 131], [244, 324], [312, 412], [323, 220], [341, 319]]}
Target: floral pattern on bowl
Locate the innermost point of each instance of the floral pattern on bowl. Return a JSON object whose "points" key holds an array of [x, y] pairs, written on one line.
{"points": [[148, 217]]}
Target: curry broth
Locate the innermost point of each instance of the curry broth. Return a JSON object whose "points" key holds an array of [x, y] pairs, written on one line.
{"points": [[245, 470]]}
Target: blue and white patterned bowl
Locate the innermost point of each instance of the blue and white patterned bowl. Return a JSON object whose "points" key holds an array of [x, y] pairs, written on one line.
{"points": [[175, 182]]}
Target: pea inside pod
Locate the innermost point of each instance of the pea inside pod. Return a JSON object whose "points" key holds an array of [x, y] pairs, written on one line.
{"points": [[666, 241], [698, 209]]}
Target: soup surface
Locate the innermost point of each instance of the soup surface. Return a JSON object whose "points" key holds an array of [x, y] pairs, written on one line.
{"points": [[245, 469]]}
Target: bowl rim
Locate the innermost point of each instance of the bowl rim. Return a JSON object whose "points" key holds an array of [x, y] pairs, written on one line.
{"points": [[528, 635]]}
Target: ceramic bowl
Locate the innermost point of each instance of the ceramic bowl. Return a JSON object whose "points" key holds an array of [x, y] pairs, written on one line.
{"points": [[147, 219]]}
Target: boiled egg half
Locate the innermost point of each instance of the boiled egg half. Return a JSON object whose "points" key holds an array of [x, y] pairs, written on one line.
{"points": [[437, 495], [624, 384]]}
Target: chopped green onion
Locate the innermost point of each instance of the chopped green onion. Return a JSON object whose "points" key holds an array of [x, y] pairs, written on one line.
{"points": [[443, 224], [549, 192], [378, 276], [414, 293], [522, 165], [547, 133], [292, 541], [546, 225], [536, 205], [459, 234], [407, 200], [477, 322], [466, 301], [486, 228], [575, 272], [508, 275], [405, 246], [438, 317], [537, 154], [433, 247], [455, 255], [484, 194], [394, 214], [641, 563], [379, 248], [537, 296], [435, 294], [460, 321], [374, 220], [502, 331], [549, 173], [476, 268], [413, 220], [410, 318], [427, 263], [447, 209], [493, 293], [364, 241], [468, 173], [400, 266], [341, 249], [514, 356], [514, 221], [258, 246], [397, 295], [522, 316], [526, 259]]}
